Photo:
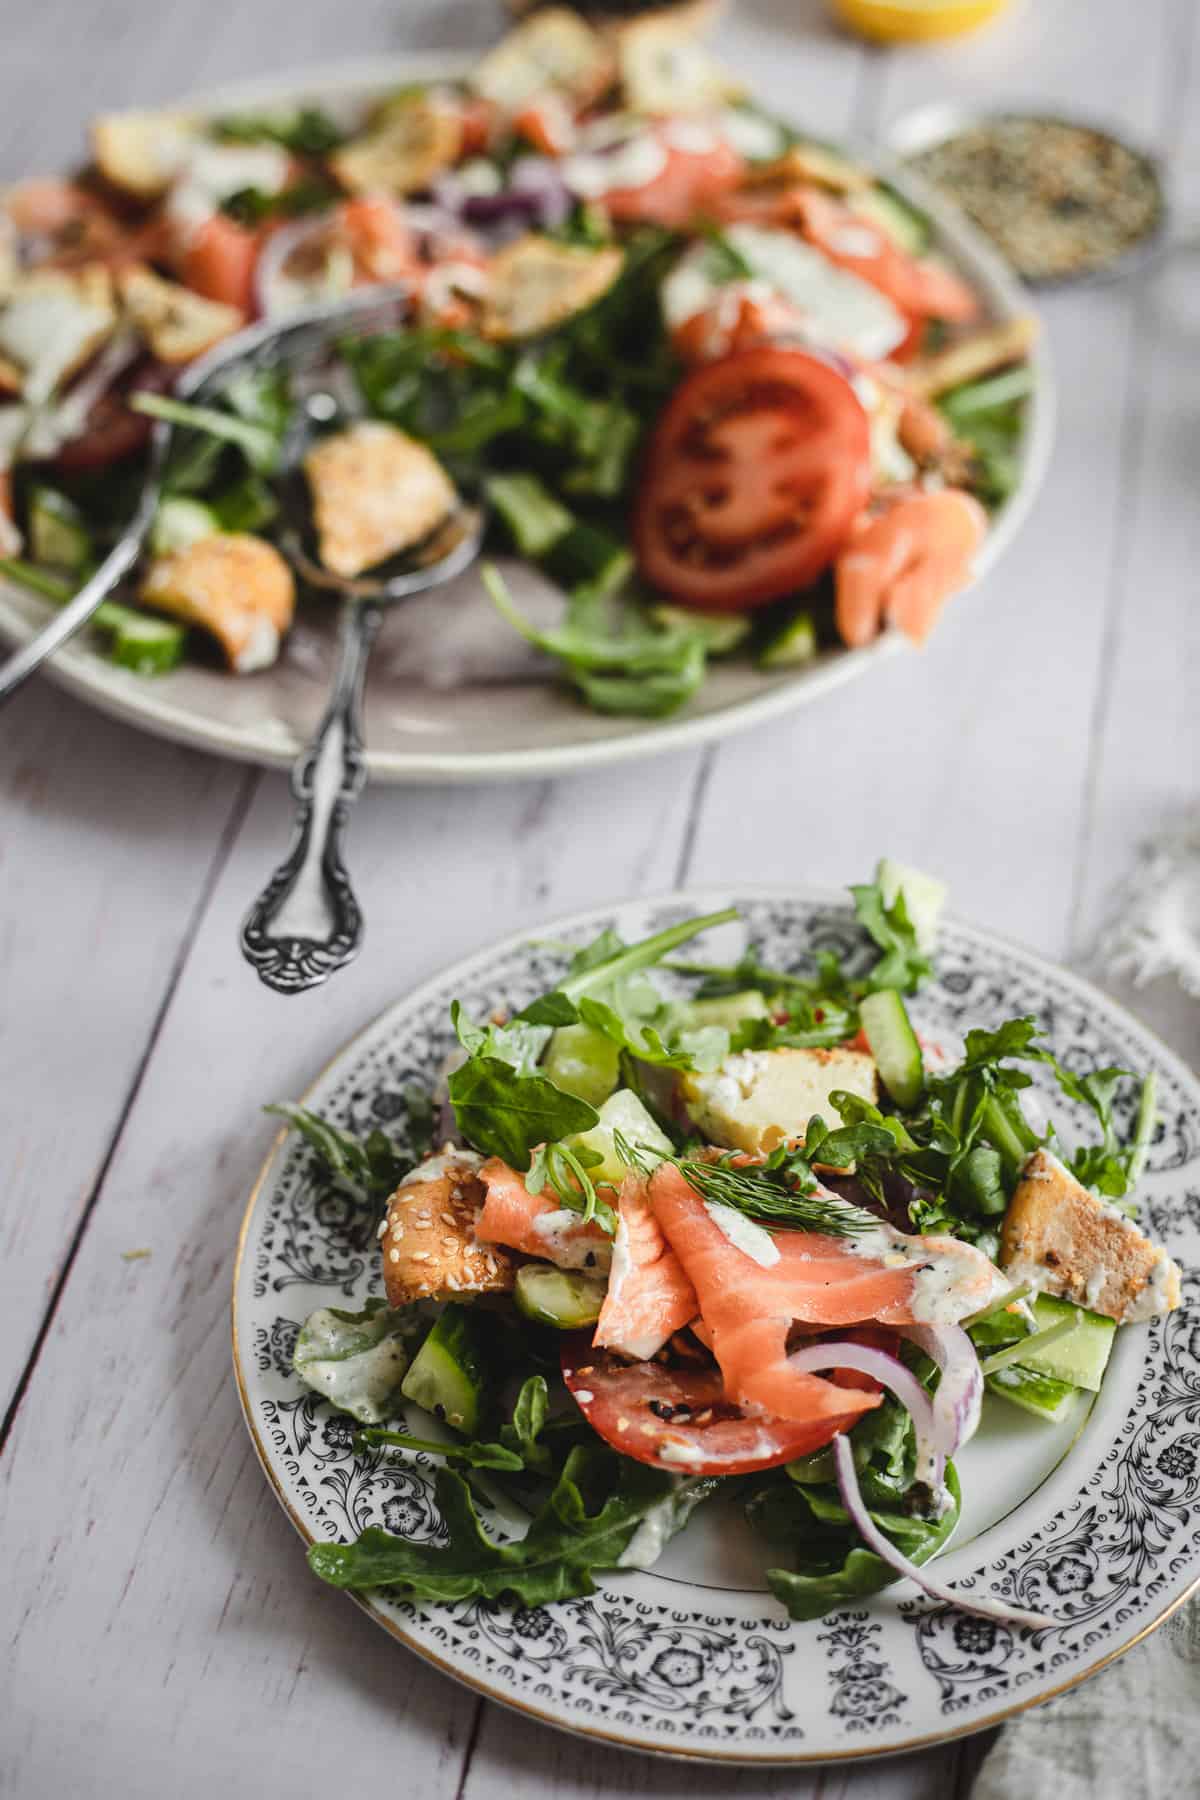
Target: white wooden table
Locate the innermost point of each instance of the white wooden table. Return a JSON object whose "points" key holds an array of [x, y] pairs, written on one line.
{"points": [[161, 1634]]}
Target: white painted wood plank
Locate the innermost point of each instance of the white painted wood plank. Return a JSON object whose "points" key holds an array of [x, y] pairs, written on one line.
{"points": [[970, 756], [105, 846], [140, 1528], [1146, 759]]}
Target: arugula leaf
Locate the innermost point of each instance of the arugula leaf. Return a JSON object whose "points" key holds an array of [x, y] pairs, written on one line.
{"points": [[636, 667], [366, 1169], [903, 964], [474, 1455], [519, 1043], [258, 444], [834, 1570], [566, 1543], [507, 1114], [566, 1171], [524, 1432], [602, 966]]}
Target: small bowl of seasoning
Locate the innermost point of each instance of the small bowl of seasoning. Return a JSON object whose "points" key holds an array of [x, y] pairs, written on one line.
{"points": [[1061, 200]]}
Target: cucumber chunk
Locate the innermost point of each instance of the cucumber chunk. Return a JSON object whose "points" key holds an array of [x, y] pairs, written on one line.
{"points": [[582, 1061], [894, 1046], [1035, 1392], [57, 533], [723, 633], [1080, 1358], [790, 643], [901, 222], [731, 1010], [138, 641], [924, 897], [180, 523], [535, 519], [558, 1297], [622, 1112], [447, 1375]]}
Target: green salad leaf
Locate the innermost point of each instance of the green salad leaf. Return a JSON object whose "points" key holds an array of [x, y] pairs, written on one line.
{"points": [[587, 1522], [366, 1169], [507, 1114]]}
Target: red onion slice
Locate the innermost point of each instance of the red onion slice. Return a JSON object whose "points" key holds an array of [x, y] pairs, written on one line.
{"points": [[890, 1373], [873, 1538], [959, 1395]]}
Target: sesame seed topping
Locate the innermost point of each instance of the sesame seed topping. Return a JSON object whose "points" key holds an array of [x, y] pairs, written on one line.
{"points": [[393, 1256], [590, 1370], [417, 1255], [449, 1243], [447, 1218], [382, 1232], [622, 1424]]}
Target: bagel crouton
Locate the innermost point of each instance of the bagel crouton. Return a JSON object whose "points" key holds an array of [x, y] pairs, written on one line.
{"points": [[176, 323], [554, 49], [535, 284], [235, 586], [375, 491], [1064, 1241], [427, 1237]]}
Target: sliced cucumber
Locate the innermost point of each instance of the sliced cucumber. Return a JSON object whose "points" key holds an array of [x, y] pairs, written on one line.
{"points": [[180, 523], [924, 897], [723, 633], [1037, 1393], [622, 1112], [535, 519], [57, 533], [447, 1375], [557, 1297], [582, 1061], [790, 643], [894, 1046], [727, 1009]]}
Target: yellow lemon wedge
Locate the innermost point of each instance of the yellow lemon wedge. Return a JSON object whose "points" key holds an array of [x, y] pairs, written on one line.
{"points": [[909, 21]]}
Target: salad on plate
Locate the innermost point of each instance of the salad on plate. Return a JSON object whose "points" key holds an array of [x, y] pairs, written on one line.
{"points": [[702, 1234], [712, 377]]}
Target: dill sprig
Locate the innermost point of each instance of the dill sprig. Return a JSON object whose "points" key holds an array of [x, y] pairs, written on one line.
{"points": [[764, 1193]]}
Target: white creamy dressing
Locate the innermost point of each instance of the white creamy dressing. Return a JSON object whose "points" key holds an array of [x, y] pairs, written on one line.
{"points": [[566, 1243], [1160, 1293], [651, 1537], [889, 459], [637, 161], [693, 137], [260, 649], [434, 1167], [753, 1240], [288, 291], [950, 1279], [363, 1384], [48, 333], [835, 309]]}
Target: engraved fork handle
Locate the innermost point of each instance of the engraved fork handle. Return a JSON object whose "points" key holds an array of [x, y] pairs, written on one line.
{"points": [[306, 924]]}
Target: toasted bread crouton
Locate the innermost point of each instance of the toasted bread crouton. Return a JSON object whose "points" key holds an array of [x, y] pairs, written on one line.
{"points": [[970, 358], [428, 1236], [416, 141], [140, 152], [664, 70], [1066, 1242], [809, 164], [52, 323], [176, 323], [375, 492], [233, 585], [760, 1098], [535, 284], [554, 49]]}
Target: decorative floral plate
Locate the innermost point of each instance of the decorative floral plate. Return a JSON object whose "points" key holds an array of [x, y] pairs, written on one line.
{"points": [[454, 695], [1094, 1520]]}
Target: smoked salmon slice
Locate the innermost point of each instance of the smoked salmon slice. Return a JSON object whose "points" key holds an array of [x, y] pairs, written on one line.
{"points": [[750, 1306], [512, 1216], [649, 1297]]}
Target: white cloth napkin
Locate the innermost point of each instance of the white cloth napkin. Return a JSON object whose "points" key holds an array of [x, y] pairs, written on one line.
{"points": [[1155, 924], [1131, 1733]]}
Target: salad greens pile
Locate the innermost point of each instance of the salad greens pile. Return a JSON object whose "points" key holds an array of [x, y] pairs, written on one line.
{"points": [[946, 1162]]}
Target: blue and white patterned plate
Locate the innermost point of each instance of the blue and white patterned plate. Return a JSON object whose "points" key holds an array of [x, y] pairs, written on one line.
{"points": [[1094, 1521]]}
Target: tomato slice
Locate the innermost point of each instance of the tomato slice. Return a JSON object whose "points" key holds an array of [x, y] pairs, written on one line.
{"points": [[753, 476], [679, 1419]]}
